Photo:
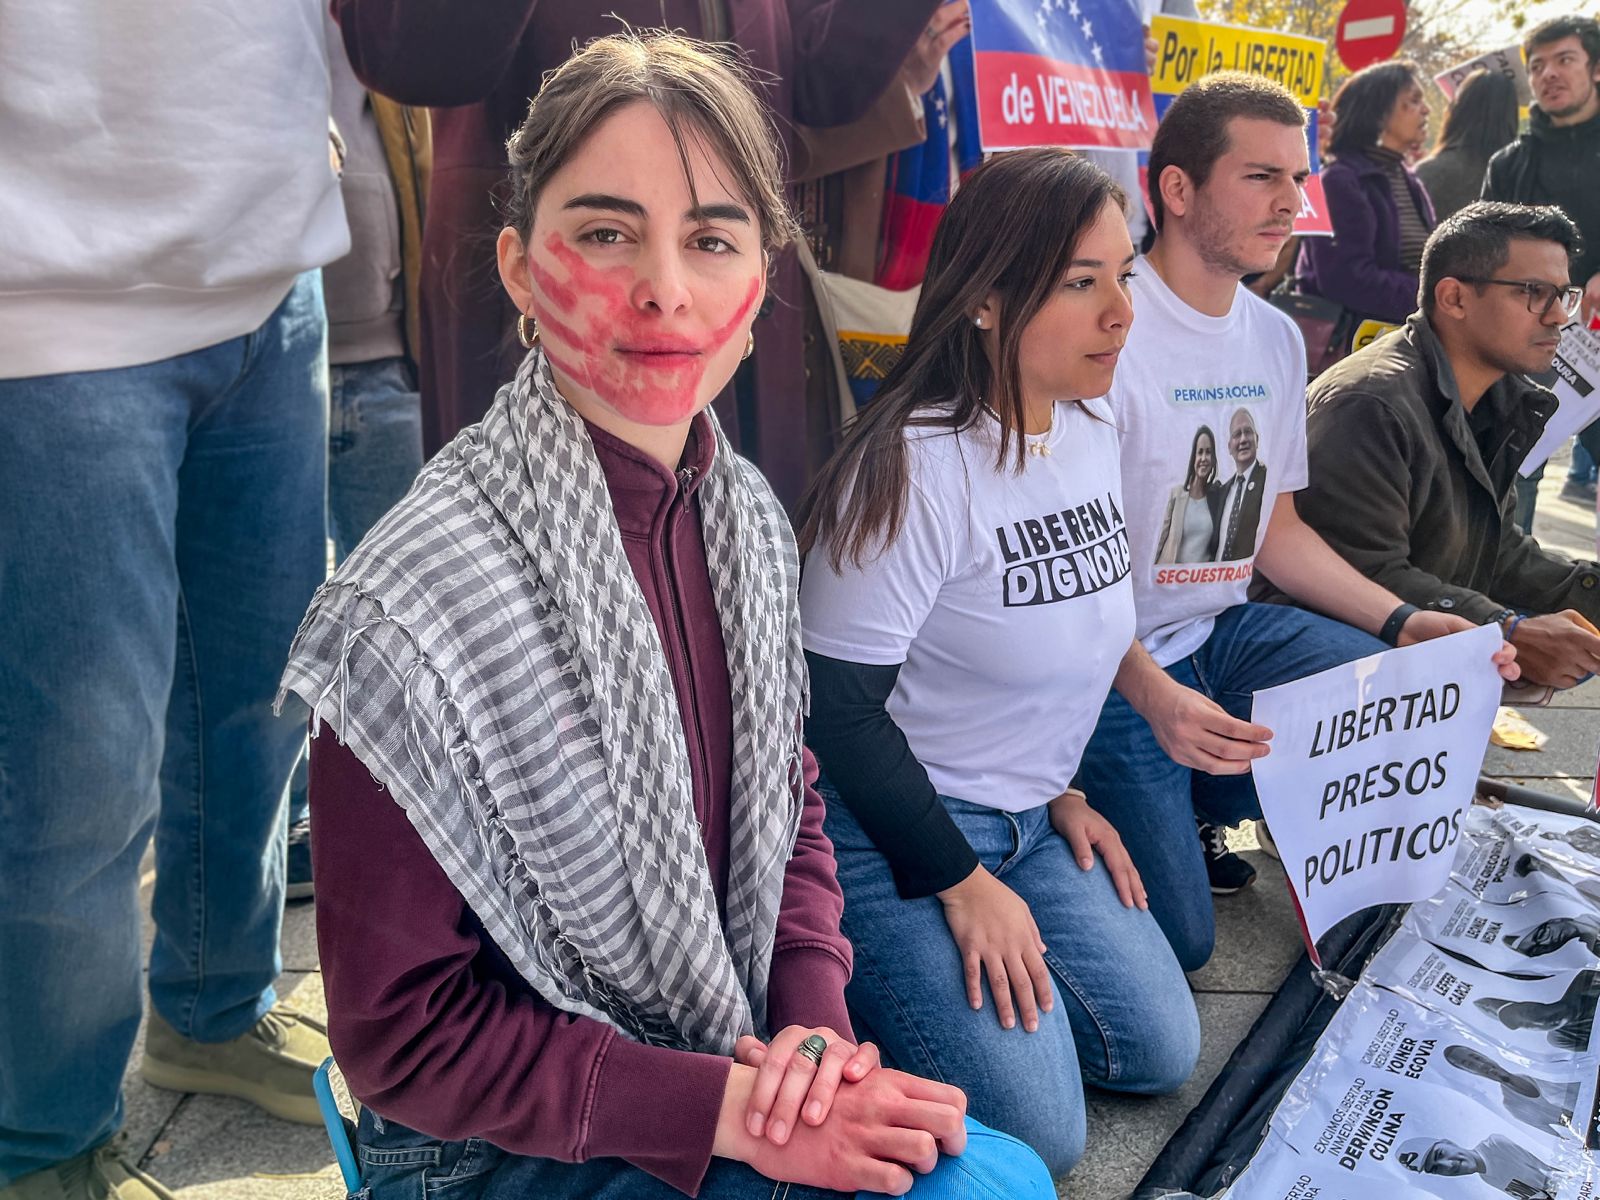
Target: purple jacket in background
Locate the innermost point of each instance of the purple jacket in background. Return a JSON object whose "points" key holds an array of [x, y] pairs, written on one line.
{"points": [[1359, 266]]}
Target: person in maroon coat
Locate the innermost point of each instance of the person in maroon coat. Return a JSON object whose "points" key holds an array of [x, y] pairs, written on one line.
{"points": [[578, 919], [822, 62]]}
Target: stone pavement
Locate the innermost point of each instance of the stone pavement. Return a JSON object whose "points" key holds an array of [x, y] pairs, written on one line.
{"points": [[209, 1148]]}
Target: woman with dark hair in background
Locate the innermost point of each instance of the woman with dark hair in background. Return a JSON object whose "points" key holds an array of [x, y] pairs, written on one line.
{"points": [[1380, 211], [965, 604], [1481, 118]]}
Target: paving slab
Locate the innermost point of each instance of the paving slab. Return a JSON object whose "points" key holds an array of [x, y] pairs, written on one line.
{"points": [[298, 942], [1574, 737], [147, 1109], [1585, 695], [1562, 526], [179, 1137], [1127, 1132], [1258, 937]]}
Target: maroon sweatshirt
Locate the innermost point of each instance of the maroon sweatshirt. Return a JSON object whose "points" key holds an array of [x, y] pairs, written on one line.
{"points": [[432, 1026]]}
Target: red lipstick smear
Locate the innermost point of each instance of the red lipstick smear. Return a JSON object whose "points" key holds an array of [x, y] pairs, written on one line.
{"points": [[593, 334]]}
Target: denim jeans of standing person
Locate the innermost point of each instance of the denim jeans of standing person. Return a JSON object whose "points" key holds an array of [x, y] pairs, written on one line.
{"points": [[160, 538], [1123, 1017], [374, 454], [1582, 467], [374, 445], [1527, 499], [1153, 801]]}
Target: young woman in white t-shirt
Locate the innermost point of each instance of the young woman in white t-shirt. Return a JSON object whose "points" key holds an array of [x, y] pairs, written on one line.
{"points": [[965, 604]]}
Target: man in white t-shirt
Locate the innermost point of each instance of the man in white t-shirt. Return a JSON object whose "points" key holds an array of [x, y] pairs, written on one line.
{"points": [[1206, 359]]}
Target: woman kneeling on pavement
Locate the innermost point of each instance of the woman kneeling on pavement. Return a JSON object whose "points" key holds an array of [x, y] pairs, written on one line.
{"points": [[577, 914], [965, 604]]}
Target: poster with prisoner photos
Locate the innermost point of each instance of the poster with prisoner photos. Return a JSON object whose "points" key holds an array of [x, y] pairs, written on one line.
{"points": [[1280, 1172], [1539, 1018], [1415, 1061], [1499, 867], [1571, 841], [1540, 934], [1442, 1077]]}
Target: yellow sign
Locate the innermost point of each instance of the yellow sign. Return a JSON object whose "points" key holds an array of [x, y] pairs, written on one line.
{"points": [[1368, 332], [1189, 50]]}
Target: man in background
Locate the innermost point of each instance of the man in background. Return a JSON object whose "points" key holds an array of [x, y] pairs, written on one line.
{"points": [[168, 203]]}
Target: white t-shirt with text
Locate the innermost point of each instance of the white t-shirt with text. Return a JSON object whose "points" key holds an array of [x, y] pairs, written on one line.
{"points": [[1007, 598], [1183, 375]]}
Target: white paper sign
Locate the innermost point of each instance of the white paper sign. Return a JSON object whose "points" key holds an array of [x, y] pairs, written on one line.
{"points": [[1372, 765], [1577, 368], [1507, 61]]}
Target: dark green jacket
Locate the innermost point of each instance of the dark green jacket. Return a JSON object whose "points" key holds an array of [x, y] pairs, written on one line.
{"points": [[1401, 491]]}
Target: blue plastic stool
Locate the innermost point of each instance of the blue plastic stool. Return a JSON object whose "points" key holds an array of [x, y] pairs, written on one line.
{"points": [[995, 1166], [341, 1134]]}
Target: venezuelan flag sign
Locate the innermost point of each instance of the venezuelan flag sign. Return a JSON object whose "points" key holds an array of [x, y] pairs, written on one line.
{"points": [[1061, 73]]}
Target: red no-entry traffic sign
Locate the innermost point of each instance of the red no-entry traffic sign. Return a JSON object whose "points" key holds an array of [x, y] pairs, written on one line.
{"points": [[1369, 31]]}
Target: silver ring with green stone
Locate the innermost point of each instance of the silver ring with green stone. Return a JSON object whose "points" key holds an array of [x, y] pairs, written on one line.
{"points": [[813, 1047]]}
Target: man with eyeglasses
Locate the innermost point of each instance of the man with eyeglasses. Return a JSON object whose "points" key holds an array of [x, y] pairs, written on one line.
{"points": [[1558, 162], [1414, 441]]}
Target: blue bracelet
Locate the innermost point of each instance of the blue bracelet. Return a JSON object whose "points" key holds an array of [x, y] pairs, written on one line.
{"points": [[1512, 623]]}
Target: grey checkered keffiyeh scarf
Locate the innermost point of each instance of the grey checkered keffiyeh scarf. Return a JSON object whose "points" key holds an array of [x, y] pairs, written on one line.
{"points": [[488, 654]]}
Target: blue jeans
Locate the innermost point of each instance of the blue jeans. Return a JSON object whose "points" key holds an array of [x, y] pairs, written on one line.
{"points": [[401, 1164], [1123, 1017], [161, 533], [374, 454], [1582, 469], [1527, 491], [1153, 801], [374, 445]]}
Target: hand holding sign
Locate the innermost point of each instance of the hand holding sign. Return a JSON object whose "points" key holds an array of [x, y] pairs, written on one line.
{"points": [[1373, 764], [1195, 731]]}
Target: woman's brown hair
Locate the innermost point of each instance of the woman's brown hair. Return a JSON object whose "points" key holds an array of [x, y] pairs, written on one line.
{"points": [[697, 85], [1010, 230]]}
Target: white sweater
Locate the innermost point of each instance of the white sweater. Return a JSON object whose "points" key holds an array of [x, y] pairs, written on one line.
{"points": [[164, 175]]}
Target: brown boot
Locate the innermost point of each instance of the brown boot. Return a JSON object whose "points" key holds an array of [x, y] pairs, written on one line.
{"points": [[270, 1064]]}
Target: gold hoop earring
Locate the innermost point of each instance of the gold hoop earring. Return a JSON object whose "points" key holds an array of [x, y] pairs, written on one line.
{"points": [[524, 324], [749, 346]]}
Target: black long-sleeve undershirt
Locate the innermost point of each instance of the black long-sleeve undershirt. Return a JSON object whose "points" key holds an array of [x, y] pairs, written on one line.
{"points": [[867, 759]]}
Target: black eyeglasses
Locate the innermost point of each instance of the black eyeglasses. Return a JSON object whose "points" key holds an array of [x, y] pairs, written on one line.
{"points": [[1541, 296]]}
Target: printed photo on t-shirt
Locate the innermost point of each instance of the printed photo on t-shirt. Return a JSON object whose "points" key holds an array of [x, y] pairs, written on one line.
{"points": [[1214, 513]]}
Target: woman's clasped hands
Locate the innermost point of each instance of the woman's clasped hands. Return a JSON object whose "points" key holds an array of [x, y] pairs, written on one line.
{"points": [[845, 1123]]}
